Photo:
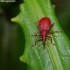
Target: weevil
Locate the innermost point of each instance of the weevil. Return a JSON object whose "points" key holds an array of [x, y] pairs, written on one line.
{"points": [[44, 26]]}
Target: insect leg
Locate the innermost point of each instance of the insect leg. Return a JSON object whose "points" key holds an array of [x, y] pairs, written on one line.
{"points": [[36, 34], [52, 25], [50, 38], [36, 41], [51, 32]]}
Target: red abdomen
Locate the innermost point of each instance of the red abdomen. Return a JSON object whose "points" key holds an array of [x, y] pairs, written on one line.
{"points": [[44, 27]]}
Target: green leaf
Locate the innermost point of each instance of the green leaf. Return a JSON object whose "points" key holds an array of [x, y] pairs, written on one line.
{"points": [[52, 57]]}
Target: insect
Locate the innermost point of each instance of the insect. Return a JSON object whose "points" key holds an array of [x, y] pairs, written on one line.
{"points": [[44, 26]]}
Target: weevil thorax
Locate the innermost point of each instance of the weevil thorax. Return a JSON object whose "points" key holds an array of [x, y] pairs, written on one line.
{"points": [[44, 27]]}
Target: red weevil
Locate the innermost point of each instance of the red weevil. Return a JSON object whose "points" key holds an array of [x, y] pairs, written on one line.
{"points": [[44, 26]]}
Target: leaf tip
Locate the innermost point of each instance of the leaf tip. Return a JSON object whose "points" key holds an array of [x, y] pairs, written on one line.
{"points": [[22, 59], [53, 6], [21, 5], [13, 19]]}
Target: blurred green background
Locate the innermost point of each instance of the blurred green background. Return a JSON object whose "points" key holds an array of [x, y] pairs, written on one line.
{"points": [[12, 41]]}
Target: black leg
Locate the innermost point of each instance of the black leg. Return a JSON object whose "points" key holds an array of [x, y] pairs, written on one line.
{"points": [[50, 38], [36, 34], [52, 25], [36, 41], [51, 32]]}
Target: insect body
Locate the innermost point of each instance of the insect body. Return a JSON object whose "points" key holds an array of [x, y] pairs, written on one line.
{"points": [[44, 26]]}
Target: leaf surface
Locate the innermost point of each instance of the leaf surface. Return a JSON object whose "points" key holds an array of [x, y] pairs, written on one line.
{"points": [[52, 57]]}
